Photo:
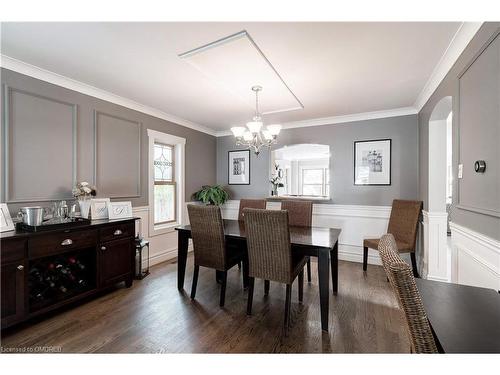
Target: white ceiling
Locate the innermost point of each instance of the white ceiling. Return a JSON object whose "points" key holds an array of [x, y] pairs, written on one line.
{"points": [[334, 69]]}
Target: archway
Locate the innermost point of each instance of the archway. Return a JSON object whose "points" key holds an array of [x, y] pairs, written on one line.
{"points": [[436, 253]]}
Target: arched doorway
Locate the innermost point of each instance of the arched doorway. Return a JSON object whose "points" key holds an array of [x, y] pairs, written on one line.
{"points": [[436, 253]]}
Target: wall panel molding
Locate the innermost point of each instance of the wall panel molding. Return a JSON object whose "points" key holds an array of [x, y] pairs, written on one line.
{"points": [[136, 190], [475, 258], [8, 195], [476, 125]]}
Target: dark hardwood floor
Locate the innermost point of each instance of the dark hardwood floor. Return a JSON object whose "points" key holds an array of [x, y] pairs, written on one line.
{"points": [[154, 317]]}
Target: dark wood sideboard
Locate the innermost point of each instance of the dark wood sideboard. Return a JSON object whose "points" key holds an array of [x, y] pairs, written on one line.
{"points": [[43, 271]]}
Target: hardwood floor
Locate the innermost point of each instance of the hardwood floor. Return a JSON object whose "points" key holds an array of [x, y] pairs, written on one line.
{"points": [[154, 317]]}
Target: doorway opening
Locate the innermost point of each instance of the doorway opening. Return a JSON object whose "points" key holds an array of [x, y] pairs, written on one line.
{"points": [[440, 191]]}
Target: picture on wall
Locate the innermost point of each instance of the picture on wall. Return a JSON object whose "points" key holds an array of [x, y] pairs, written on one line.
{"points": [[372, 162], [239, 167]]}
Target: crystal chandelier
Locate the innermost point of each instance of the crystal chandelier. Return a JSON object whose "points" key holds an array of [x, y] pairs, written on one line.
{"points": [[252, 136]]}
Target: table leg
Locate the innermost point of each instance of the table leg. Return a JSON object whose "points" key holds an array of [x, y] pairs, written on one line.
{"points": [[334, 259], [182, 251], [324, 286]]}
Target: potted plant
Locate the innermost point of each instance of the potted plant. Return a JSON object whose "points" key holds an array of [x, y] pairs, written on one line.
{"points": [[83, 191], [214, 195]]}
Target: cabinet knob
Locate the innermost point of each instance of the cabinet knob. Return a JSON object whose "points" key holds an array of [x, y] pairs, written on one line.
{"points": [[20, 267], [67, 242], [103, 248], [117, 232]]}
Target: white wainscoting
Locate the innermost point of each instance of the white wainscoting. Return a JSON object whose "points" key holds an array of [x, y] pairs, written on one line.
{"points": [[436, 257], [475, 258], [162, 247], [356, 222]]}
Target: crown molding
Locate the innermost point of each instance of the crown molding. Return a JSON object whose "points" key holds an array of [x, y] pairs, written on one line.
{"points": [[458, 43], [22, 67], [403, 111]]}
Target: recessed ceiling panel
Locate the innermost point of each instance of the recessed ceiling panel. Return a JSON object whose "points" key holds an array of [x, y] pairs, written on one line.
{"points": [[236, 63]]}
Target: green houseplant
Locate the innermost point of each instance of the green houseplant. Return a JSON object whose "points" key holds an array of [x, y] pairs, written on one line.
{"points": [[214, 195]]}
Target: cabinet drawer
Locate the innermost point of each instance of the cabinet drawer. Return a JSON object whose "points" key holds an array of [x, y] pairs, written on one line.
{"points": [[49, 244], [114, 232], [13, 250]]}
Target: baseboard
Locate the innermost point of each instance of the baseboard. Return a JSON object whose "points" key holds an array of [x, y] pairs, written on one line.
{"points": [[437, 278], [355, 254], [166, 255]]}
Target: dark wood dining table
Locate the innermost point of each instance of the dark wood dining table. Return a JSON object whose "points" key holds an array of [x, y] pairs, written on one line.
{"points": [[464, 319], [321, 243]]}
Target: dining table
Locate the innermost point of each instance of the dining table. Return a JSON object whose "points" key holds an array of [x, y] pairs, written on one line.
{"points": [[318, 242], [463, 318]]}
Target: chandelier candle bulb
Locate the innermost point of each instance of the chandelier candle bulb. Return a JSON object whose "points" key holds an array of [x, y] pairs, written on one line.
{"points": [[254, 126], [247, 136], [274, 129], [238, 131], [267, 135]]}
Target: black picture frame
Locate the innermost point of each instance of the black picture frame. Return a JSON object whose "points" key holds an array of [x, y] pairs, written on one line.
{"points": [[229, 167], [390, 161]]}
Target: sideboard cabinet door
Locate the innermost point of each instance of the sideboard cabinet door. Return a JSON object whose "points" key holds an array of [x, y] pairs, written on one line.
{"points": [[13, 292], [116, 261]]}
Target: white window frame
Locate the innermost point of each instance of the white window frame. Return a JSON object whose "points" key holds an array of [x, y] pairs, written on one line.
{"points": [[179, 176]]}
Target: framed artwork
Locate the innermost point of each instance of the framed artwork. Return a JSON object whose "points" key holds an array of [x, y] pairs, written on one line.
{"points": [[6, 223], [119, 210], [372, 162], [239, 167], [99, 208]]}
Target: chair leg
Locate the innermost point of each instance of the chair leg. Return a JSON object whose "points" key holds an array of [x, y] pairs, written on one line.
{"points": [[414, 264], [301, 286], [266, 287], [251, 282], [195, 281], [223, 289], [365, 258], [309, 270], [239, 265], [245, 273], [288, 303]]}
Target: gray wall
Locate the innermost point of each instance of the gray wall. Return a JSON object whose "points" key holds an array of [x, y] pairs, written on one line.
{"points": [[468, 142], [43, 162], [340, 137]]}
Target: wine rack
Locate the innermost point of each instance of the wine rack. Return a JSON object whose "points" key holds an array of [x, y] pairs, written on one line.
{"points": [[56, 278]]}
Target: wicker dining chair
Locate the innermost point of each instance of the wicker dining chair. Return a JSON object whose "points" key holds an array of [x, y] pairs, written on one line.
{"points": [[389, 254], [421, 337], [403, 284], [207, 231], [299, 215], [270, 254], [250, 203], [403, 225]]}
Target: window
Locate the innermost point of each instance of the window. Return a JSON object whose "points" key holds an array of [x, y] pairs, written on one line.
{"points": [[166, 181], [164, 184], [315, 181]]}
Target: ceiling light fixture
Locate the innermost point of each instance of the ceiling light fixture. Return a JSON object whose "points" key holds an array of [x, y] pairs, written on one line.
{"points": [[252, 136]]}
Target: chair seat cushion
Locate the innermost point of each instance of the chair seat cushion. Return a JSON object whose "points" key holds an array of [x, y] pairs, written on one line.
{"points": [[372, 243]]}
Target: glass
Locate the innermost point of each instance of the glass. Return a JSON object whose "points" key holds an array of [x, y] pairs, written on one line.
{"points": [[313, 176], [163, 162], [164, 200], [312, 190]]}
